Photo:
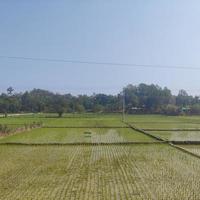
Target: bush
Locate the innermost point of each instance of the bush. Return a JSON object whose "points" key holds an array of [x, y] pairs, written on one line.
{"points": [[195, 109], [171, 109]]}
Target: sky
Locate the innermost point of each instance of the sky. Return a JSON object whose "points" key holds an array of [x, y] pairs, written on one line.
{"points": [[149, 32]]}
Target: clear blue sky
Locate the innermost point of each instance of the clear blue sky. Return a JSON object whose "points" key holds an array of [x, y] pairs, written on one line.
{"points": [[124, 31]]}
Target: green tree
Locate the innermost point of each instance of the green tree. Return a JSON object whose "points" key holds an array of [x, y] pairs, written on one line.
{"points": [[59, 104], [10, 90]]}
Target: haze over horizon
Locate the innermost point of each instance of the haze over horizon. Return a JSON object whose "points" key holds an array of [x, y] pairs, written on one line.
{"points": [[135, 32]]}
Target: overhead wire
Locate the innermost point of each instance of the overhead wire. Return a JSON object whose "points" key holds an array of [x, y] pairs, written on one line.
{"points": [[89, 62]]}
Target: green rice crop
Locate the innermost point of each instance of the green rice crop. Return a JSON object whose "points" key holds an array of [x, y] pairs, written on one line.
{"points": [[94, 172], [177, 135], [137, 172], [77, 135], [192, 148], [166, 125], [85, 122], [162, 118]]}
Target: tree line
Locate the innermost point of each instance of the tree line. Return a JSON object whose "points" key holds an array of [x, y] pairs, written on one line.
{"points": [[140, 98]]}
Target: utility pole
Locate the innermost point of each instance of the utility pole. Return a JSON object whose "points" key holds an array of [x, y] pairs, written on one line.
{"points": [[124, 106]]}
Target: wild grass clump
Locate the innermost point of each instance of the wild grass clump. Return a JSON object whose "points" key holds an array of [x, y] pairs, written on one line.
{"points": [[32, 125], [4, 129], [7, 129]]}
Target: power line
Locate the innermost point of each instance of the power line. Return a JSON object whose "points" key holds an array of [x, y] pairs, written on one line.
{"points": [[101, 63]]}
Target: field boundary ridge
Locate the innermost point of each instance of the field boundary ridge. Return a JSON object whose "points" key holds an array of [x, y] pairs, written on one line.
{"points": [[184, 150], [85, 127], [185, 142], [175, 129], [144, 132], [80, 143], [173, 144]]}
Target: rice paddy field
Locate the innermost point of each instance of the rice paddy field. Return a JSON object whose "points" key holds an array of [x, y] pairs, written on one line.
{"points": [[78, 135], [183, 135], [99, 157]]}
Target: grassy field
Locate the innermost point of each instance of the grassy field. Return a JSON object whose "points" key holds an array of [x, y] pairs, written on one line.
{"points": [[110, 171]]}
